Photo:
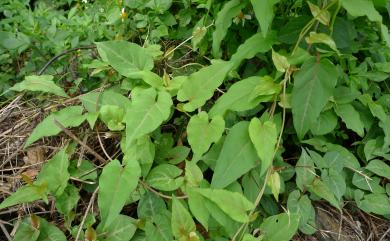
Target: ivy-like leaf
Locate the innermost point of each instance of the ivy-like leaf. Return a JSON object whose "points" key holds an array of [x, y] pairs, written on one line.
{"points": [[234, 204], [69, 117], [42, 83], [375, 203], [165, 177], [359, 8], [183, 227], [223, 22], [264, 137], [313, 86], [125, 57], [50, 232], [147, 111], [301, 205], [238, 156], [200, 86], [202, 133], [264, 11], [115, 186], [121, 229]]}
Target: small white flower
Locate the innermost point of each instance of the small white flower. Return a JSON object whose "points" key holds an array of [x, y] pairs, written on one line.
{"points": [[84, 1]]}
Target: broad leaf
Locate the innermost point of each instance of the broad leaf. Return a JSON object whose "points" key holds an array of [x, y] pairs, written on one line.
{"points": [[183, 227], [194, 175], [121, 229], [375, 203], [237, 157], [315, 38], [142, 150], [234, 204], [236, 98], [68, 117], [27, 230], [26, 194], [200, 86], [112, 116], [49, 232], [42, 83], [222, 23], [301, 205], [125, 57], [165, 177], [202, 133], [323, 191], [115, 186], [264, 11], [335, 182], [264, 137], [379, 168], [55, 173], [281, 227], [358, 8], [196, 203], [160, 228], [313, 85], [147, 111], [149, 205], [351, 118], [305, 171], [325, 123], [68, 200]]}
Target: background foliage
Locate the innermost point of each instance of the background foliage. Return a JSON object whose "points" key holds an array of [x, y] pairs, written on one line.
{"points": [[231, 118]]}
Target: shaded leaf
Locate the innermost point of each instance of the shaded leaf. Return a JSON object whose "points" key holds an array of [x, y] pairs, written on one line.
{"points": [[264, 11], [351, 118], [379, 168]]}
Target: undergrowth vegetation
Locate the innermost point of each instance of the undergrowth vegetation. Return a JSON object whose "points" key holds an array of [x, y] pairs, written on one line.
{"points": [[195, 120]]}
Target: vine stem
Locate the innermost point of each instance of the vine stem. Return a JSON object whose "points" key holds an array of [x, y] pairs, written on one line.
{"points": [[86, 212]]}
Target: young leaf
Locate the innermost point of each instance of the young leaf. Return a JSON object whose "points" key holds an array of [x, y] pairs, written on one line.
{"points": [[238, 156], [357, 8], [281, 227], [257, 43], [121, 229], [55, 173], [315, 38], [274, 184], [200, 86], [112, 116], [196, 202], [264, 137], [147, 111], [125, 57], [264, 11], [193, 175], [281, 63], [313, 86], [234, 204], [69, 117], [379, 168], [202, 133], [115, 186], [27, 230], [26, 194], [165, 177], [183, 227], [305, 171], [50, 232], [351, 118], [322, 15], [223, 22], [43, 83]]}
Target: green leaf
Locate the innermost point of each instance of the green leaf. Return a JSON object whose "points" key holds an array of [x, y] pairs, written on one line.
{"points": [[183, 227], [42, 83], [358, 8], [234, 204], [147, 111], [375, 203], [49, 232], [335, 182], [165, 177], [351, 118], [112, 116], [143, 151], [264, 11], [115, 186], [274, 184], [69, 117], [257, 43], [237, 157], [27, 231], [149, 205], [305, 171], [325, 123], [322, 15], [281, 63], [196, 203], [125, 57], [26, 194], [55, 173], [200, 86], [313, 85], [264, 137], [301, 205], [160, 228], [236, 98], [121, 229], [193, 175], [315, 38], [202, 133], [281, 227], [379, 168], [68, 200], [93, 101], [223, 22], [323, 191]]}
